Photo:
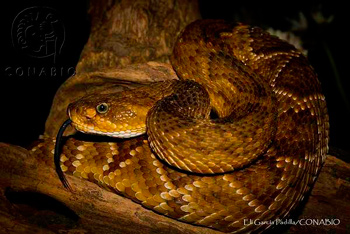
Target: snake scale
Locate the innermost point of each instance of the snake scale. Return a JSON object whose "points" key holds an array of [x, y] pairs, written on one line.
{"points": [[241, 135]]}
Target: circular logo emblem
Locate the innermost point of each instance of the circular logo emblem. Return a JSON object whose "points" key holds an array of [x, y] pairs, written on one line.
{"points": [[38, 32]]}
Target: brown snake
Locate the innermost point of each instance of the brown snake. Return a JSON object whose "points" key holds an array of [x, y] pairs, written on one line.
{"points": [[241, 136]]}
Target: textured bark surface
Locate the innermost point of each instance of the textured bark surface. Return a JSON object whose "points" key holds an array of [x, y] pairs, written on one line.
{"points": [[126, 32]]}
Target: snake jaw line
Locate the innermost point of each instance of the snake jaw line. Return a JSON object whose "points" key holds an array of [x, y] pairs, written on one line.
{"points": [[121, 134]]}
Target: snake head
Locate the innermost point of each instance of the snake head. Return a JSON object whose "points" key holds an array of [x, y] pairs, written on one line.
{"points": [[113, 115], [117, 114]]}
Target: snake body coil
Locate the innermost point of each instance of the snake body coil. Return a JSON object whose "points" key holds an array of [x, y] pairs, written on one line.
{"points": [[255, 160]]}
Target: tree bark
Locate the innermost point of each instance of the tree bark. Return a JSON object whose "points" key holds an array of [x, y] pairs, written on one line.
{"points": [[127, 32]]}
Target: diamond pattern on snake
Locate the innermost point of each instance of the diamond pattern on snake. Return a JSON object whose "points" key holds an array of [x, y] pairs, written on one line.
{"points": [[255, 159]]}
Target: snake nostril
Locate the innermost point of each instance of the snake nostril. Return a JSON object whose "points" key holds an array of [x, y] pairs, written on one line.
{"points": [[90, 113]]}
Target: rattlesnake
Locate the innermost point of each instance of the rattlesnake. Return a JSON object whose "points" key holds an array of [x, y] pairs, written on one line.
{"points": [[241, 136]]}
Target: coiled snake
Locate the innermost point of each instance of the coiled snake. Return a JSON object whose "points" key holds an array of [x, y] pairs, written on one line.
{"points": [[242, 134]]}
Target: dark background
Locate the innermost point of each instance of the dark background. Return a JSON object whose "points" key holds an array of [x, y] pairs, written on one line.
{"points": [[25, 100]]}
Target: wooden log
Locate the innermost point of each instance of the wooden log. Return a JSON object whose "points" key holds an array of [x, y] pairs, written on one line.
{"points": [[32, 200]]}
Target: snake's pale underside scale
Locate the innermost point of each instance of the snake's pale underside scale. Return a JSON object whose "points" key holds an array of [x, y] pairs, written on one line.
{"points": [[241, 135]]}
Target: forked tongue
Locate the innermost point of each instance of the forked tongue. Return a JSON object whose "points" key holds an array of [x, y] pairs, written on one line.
{"points": [[57, 154]]}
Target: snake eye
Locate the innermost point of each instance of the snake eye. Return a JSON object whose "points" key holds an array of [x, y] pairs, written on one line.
{"points": [[102, 108]]}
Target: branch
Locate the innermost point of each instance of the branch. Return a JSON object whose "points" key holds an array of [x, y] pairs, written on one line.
{"points": [[33, 200], [50, 207]]}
